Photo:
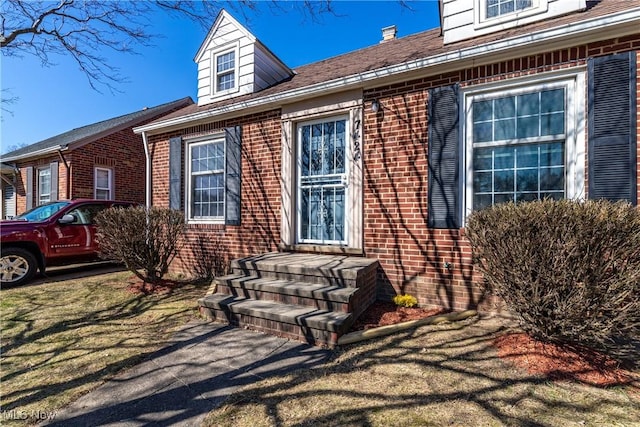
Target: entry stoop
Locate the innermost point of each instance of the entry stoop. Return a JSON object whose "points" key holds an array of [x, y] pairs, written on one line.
{"points": [[306, 297]]}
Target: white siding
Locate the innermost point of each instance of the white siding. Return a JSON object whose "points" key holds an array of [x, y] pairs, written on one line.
{"points": [[8, 201], [256, 68], [462, 19]]}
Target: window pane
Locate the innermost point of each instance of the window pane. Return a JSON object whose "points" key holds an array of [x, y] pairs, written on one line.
{"points": [[503, 181], [102, 194], [482, 182], [482, 132], [226, 81], [528, 104], [552, 124], [505, 107], [503, 157], [552, 154], [226, 61], [482, 111], [527, 180], [102, 178], [482, 159], [527, 127], [552, 100], [505, 129], [552, 178], [517, 175]]}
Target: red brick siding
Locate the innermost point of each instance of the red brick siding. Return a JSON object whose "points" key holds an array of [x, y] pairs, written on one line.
{"points": [[123, 153], [413, 256], [261, 194], [395, 144]]}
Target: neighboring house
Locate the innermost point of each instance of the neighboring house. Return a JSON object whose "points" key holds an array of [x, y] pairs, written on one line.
{"points": [[385, 151], [104, 160]]}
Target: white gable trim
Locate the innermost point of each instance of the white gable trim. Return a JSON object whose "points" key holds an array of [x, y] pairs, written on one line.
{"points": [[214, 28]]}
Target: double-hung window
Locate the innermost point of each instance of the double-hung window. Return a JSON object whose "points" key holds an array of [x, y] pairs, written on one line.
{"points": [[44, 185], [225, 71], [103, 183], [522, 144], [206, 180]]}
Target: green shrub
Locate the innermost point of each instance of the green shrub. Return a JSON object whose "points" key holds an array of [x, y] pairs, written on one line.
{"points": [[570, 271], [405, 300], [145, 241]]}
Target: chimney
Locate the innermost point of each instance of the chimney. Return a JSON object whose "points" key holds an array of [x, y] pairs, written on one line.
{"points": [[389, 33]]}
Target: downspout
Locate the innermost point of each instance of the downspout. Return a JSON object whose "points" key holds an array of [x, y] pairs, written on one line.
{"points": [[147, 184], [67, 169]]}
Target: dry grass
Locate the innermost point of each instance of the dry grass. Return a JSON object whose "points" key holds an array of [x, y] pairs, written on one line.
{"points": [[64, 338], [446, 375]]}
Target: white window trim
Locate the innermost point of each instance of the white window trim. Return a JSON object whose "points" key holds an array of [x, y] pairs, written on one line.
{"points": [[575, 120], [481, 20], [217, 138], [346, 175], [40, 170], [214, 69], [110, 189]]}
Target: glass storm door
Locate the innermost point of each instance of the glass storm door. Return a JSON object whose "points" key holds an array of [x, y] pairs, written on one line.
{"points": [[322, 182]]}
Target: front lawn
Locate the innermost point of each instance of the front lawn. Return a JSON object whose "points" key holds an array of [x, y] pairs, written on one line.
{"points": [[444, 375], [64, 338]]}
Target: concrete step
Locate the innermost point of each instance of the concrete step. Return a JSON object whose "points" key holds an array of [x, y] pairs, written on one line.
{"points": [[316, 295], [318, 327], [332, 270]]}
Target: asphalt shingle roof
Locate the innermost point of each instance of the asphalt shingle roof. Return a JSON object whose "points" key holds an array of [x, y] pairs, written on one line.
{"points": [[95, 129], [401, 50]]}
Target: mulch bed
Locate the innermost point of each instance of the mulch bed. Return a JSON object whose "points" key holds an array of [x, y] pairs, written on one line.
{"points": [[137, 286], [387, 313], [537, 358], [560, 363]]}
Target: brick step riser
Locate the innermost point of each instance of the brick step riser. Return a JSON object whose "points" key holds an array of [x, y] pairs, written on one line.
{"points": [[284, 299], [285, 330], [315, 278]]}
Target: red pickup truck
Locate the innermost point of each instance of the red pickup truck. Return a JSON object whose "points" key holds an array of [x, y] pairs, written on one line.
{"points": [[56, 233]]}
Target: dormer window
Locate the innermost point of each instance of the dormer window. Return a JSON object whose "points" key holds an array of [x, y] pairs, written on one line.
{"points": [[497, 8], [225, 66]]}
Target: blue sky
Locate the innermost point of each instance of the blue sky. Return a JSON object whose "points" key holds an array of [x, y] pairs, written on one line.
{"points": [[53, 100]]}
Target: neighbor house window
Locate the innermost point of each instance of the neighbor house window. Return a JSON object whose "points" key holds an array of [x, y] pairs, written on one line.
{"points": [[496, 8], [522, 145], [103, 184], [205, 183], [44, 185], [225, 71]]}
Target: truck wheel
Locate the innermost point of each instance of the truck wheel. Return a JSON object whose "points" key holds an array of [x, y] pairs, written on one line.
{"points": [[17, 266]]}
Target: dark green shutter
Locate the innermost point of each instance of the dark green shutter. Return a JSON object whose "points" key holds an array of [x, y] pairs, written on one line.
{"points": [[233, 175], [175, 172], [444, 155], [612, 127], [28, 187]]}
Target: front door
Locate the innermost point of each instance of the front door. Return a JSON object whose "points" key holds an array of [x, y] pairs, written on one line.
{"points": [[323, 171]]}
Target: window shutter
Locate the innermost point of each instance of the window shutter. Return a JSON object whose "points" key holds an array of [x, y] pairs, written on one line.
{"points": [[612, 127], [233, 175], [175, 172], [28, 188], [443, 152], [54, 181]]}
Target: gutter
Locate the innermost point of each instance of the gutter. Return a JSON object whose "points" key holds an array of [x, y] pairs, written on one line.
{"points": [[576, 30], [147, 184], [44, 151]]}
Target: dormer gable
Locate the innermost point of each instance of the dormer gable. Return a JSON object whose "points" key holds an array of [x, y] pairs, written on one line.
{"points": [[233, 62], [465, 19]]}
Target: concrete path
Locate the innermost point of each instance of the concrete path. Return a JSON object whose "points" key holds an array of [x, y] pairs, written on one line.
{"points": [[193, 374]]}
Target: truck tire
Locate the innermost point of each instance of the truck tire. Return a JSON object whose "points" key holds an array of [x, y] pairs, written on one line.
{"points": [[17, 266]]}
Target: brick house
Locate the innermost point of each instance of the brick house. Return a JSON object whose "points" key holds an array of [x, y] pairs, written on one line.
{"points": [[379, 155], [104, 160]]}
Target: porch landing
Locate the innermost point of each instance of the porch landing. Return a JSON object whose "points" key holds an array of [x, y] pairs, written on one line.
{"points": [[307, 297]]}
